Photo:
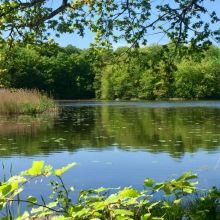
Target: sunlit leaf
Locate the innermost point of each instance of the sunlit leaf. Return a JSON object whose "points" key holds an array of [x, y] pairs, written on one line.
{"points": [[35, 170], [59, 172], [148, 182]]}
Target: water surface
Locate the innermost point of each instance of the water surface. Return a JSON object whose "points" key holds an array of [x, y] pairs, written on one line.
{"points": [[118, 143]]}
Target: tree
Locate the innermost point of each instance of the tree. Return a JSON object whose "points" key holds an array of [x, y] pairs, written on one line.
{"points": [[111, 20]]}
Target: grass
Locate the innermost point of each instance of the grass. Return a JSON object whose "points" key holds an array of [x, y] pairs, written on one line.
{"points": [[22, 101]]}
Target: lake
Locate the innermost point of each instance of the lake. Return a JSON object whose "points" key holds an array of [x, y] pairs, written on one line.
{"points": [[117, 143]]}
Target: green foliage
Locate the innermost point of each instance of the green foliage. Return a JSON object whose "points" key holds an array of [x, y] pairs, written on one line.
{"points": [[198, 79], [59, 172], [156, 72], [65, 73], [111, 21], [152, 72], [105, 203]]}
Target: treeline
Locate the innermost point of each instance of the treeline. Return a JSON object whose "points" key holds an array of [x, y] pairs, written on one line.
{"points": [[157, 72], [64, 73], [153, 72]]}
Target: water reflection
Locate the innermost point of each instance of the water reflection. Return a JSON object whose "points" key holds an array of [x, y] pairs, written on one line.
{"points": [[166, 128], [19, 134]]}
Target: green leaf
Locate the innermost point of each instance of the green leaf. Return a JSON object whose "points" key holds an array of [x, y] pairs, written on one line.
{"points": [[177, 201], [18, 179], [166, 205], [123, 212], [188, 190], [60, 217], [99, 205], [158, 186], [24, 216], [59, 172], [5, 189], [43, 210], [32, 199], [83, 212], [123, 218], [146, 216], [102, 189], [113, 198], [128, 193], [35, 170], [167, 189], [187, 176], [47, 170], [8, 188], [148, 182], [152, 205]]}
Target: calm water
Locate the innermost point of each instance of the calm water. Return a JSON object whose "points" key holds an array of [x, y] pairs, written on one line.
{"points": [[118, 143]]}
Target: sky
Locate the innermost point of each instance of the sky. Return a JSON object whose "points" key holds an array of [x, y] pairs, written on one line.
{"points": [[84, 42]]}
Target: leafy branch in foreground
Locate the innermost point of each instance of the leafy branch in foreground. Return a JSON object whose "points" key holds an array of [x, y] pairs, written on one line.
{"points": [[174, 199], [132, 21]]}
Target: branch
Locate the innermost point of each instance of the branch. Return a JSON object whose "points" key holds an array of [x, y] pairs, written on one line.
{"points": [[41, 20], [36, 204]]}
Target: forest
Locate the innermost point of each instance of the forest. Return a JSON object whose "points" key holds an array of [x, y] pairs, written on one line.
{"points": [[152, 72]]}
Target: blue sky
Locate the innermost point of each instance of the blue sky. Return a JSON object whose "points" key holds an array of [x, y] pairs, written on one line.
{"points": [[84, 42]]}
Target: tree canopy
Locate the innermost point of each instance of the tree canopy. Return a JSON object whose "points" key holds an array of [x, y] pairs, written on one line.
{"points": [[182, 21]]}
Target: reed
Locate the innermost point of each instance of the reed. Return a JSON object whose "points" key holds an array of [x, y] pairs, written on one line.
{"points": [[23, 101]]}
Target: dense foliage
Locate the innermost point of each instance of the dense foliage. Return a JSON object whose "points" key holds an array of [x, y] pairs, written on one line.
{"points": [[153, 72], [107, 203], [61, 72], [133, 21]]}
